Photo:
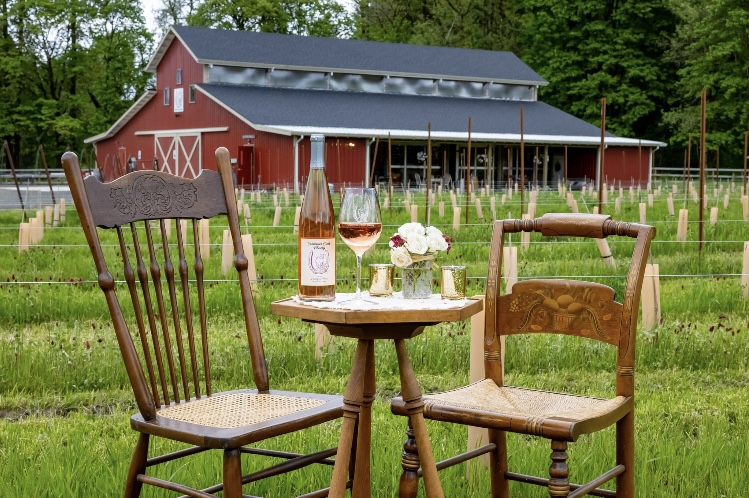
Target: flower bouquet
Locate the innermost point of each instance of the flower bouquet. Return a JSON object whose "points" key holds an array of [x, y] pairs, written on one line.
{"points": [[414, 248]]}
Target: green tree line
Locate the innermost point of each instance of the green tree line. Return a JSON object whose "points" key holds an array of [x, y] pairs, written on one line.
{"points": [[69, 69]]}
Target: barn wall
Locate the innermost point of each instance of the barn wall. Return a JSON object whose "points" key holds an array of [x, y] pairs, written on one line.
{"points": [[624, 164]]}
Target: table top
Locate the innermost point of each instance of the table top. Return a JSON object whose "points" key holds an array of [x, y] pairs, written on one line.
{"points": [[290, 308]]}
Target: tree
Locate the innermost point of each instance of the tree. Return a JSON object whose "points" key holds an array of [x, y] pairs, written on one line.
{"points": [[300, 17], [711, 50], [487, 24], [588, 49]]}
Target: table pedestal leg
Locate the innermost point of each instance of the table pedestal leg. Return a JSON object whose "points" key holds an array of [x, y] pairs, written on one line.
{"points": [[352, 400], [411, 393], [362, 482]]}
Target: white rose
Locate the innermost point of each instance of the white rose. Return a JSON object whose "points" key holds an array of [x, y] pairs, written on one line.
{"points": [[436, 242], [408, 229], [400, 257], [417, 244], [431, 231]]}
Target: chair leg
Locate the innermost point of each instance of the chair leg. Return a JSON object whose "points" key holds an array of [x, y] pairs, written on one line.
{"points": [[625, 455], [232, 474], [498, 464], [559, 484], [409, 481], [137, 466]]}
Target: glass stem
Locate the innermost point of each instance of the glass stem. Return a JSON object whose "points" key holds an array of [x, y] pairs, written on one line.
{"points": [[358, 276]]}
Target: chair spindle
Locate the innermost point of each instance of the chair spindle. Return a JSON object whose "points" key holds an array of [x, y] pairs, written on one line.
{"points": [[143, 278], [171, 282], [130, 279], [184, 280], [201, 304]]}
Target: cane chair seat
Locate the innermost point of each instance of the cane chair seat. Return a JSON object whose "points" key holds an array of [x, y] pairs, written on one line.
{"points": [[522, 410], [233, 410]]}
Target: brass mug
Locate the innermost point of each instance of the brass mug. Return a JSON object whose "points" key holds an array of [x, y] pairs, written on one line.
{"points": [[381, 280], [453, 282]]}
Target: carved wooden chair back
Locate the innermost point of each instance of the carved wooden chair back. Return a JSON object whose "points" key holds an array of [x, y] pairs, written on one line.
{"points": [[569, 307], [168, 361]]}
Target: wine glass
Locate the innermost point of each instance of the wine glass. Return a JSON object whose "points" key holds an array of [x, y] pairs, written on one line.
{"points": [[359, 224]]}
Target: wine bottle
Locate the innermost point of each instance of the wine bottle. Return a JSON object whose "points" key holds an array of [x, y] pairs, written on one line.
{"points": [[317, 231]]}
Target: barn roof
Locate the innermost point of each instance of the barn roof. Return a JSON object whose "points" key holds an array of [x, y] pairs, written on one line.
{"points": [[271, 50], [122, 121], [301, 112]]}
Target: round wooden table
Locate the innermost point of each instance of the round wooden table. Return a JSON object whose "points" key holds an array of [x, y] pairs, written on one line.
{"points": [[366, 326]]}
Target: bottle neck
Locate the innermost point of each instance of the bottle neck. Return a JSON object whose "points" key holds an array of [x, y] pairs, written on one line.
{"points": [[317, 155]]}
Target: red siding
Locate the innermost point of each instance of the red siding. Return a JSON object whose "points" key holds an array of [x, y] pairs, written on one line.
{"points": [[345, 160], [624, 163], [582, 163]]}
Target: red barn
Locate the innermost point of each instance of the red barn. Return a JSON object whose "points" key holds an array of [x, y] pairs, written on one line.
{"points": [[262, 95]]}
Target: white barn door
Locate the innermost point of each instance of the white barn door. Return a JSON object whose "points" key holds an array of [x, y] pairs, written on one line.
{"points": [[179, 154]]}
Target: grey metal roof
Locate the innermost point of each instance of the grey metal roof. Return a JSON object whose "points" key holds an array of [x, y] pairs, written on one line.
{"points": [[294, 108], [247, 48]]}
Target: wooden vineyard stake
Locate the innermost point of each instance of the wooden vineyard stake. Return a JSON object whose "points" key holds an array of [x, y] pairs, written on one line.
{"points": [[583, 191], [62, 209], [240, 207], [23, 237], [247, 214], [525, 237], [442, 209], [650, 200], [681, 229], [407, 205], [631, 195], [414, 213], [745, 271], [492, 203], [504, 199], [205, 238], [605, 195], [275, 199], [670, 204], [48, 216], [479, 211], [477, 436], [713, 215], [439, 190], [297, 214], [618, 205], [386, 204], [574, 206], [286, 195], [277, 216], [745, 206], [531, 210], [183, 227], [726, 198], [456, 219], [323, 340], [603, 248], [651, 297], [510, 267], [595, 210], [56, 216], [643, 211], [250, 255], [227, 253]]}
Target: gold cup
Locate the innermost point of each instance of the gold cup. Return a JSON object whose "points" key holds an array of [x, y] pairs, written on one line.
{"points": [[453, 284], [381, 280]]}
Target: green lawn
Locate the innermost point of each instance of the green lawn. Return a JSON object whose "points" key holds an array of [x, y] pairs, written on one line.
{"points": [[65, 400]]}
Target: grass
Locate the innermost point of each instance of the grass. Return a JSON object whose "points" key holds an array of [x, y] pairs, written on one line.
{"points": [[65, 399]]}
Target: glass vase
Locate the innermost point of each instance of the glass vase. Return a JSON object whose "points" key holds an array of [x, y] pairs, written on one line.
{"points": [[416, 280]]}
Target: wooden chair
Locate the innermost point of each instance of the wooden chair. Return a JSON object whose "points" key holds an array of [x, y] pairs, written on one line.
{"points": [[569, 307], [171, 377]]}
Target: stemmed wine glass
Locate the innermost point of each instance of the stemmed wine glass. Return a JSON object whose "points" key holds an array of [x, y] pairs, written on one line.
{"points": [[359, 224]]}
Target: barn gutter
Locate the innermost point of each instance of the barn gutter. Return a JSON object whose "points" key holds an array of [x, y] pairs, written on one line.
{"points": [[296, 163]]}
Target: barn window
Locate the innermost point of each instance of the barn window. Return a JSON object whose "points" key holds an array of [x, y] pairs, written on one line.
{"points": [[191, 94], [179, 76], [166, 96]]}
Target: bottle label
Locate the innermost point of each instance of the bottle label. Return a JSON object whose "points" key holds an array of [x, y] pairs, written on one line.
{"points": [[317, 258]]}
